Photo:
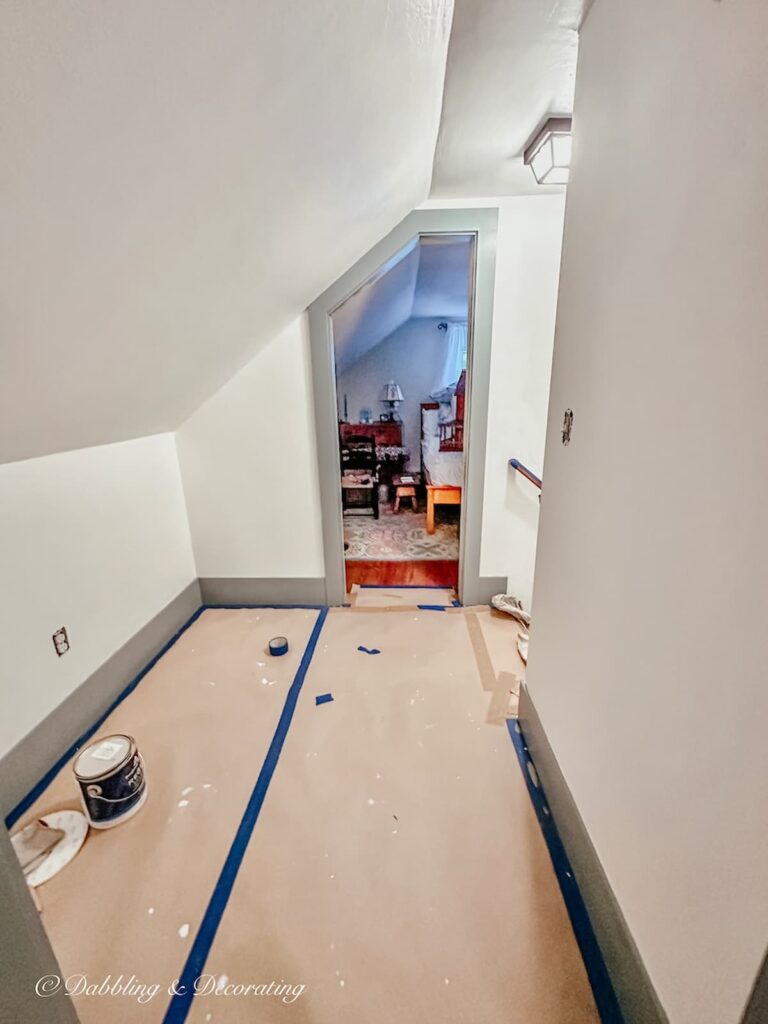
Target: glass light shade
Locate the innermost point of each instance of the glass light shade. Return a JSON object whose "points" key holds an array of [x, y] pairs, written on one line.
{"points": [[549, 154]]}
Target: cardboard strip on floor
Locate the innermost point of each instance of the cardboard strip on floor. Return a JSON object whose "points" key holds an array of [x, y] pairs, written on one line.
{"points": [[398, 872], [132, 900]]}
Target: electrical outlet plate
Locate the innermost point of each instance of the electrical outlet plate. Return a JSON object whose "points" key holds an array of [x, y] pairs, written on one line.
{"points": [[61, 641]]}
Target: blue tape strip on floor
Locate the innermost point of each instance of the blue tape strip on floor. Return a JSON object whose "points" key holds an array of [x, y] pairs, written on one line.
{"points": [[23, 805], [432, 607], [323, 698], [599, 979], [181, 1002], [51, 774]]}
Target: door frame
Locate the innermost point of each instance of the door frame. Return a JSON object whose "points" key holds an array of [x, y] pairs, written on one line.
{"points": [[482, 223]]}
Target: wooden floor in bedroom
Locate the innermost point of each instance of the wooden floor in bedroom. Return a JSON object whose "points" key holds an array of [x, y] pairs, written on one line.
{"points": [[424, 573]]}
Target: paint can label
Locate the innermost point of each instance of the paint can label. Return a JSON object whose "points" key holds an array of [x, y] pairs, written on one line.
{"points": [[108, 799]]}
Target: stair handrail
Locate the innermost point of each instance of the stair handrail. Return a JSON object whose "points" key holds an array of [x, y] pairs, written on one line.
{"points": [[516, 464]]}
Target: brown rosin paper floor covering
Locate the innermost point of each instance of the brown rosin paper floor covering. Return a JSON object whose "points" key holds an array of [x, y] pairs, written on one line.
{"points": [[396, 871]]}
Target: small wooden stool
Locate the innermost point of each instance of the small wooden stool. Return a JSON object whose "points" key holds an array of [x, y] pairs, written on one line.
{"points": [[405, 490]]}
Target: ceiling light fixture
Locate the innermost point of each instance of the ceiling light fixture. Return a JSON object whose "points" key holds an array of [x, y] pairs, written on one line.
{"points": [[548, 154]]}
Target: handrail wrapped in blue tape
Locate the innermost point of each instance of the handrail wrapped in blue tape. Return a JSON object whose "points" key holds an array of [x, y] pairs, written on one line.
{"points": [[527, 473]]}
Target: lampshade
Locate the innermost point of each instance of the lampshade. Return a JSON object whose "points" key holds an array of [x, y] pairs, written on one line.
{"points": [[549, 153], [392, 393]]}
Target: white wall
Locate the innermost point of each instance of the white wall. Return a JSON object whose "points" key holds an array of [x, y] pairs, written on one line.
{"points": [[249, 463], [413, 356], [527, 271], [649, 650], [95, 540], [248, 456]]}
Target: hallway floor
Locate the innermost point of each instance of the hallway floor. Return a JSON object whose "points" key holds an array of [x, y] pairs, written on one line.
{"points": [[395, 868], [429, 573]]}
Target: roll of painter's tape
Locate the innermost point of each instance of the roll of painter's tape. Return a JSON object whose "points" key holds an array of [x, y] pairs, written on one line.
{"points": [[278, 646], [110, 773]]}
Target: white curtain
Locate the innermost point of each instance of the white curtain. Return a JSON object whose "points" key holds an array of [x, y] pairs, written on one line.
{"points": [[455, 354]]}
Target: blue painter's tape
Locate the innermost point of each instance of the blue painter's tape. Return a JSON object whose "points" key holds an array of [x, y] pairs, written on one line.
{"points": [[457, 604], [24, 805], [323, 698], [431, 607], [278, 646], [181, 1002], [369, 650], [52, 772], [600, 980]]}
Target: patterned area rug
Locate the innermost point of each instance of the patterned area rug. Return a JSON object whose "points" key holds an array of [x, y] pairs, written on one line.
{"points": [[403, 536]]}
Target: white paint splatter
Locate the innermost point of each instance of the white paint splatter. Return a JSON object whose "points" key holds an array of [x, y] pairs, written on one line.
{"points": [[341, 982], [261, 664], [371, 801], [151, 910], [447, 981], [189, 789], [394, 831], [183, 803], [378, 775], [532, 773], [184, 931], [206, 785]]}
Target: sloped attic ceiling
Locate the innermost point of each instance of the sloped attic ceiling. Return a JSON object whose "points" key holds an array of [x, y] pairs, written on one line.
{"points": [[511, 63], [185, 177], [428, 278]]}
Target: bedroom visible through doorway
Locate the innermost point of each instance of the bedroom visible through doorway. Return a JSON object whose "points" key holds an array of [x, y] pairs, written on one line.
{"points": [[401, 347]]}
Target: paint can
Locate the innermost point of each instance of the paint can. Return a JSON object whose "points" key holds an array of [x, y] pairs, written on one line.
{"points": [[110, 774], [278, 646]]}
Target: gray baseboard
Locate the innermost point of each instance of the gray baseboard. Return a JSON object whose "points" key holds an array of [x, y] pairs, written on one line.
{"points": [[227, 590], [484, 589], [26, 763], [25, 952], [634, 989], [757, 1007]]}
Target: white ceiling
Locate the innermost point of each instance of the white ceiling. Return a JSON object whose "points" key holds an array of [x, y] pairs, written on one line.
{"points": [[511, 63], [428, 278], [183, 178]]}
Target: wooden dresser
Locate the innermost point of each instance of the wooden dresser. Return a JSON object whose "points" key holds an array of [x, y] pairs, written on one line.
{"points": [[382, 433]]}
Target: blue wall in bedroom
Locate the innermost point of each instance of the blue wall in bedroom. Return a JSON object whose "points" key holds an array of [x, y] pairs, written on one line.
{"points": [[413, 357]]}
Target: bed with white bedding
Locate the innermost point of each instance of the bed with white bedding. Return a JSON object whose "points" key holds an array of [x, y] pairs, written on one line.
{"points": [[443, 470]]}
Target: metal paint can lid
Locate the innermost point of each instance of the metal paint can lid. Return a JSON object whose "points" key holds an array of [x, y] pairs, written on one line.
{"points": [[103, 756]]}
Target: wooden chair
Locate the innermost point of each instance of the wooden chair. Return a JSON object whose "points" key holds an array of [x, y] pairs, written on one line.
{"points": [[359, 475]]}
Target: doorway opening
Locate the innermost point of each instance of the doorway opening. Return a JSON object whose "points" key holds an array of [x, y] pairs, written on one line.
{"points": [[481, 223], [401, 347]]}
